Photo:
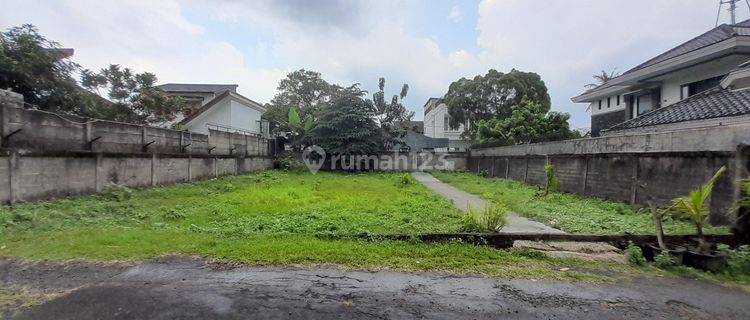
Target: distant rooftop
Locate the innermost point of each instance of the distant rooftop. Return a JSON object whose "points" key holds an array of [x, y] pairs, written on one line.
{"points": [[197, 87]]}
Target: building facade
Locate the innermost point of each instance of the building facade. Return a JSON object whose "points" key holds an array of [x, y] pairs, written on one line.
{"points": [[437, 125], [687, 70]]}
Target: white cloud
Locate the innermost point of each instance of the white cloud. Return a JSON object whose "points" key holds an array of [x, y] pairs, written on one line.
{"points": [[149, 36], [455, 14], [564, 41]]}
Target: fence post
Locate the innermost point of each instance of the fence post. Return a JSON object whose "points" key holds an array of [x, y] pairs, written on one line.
{"points": [[189, 169], [12, 161], [526, 171], [634, 181], [585, 174], [97, 173], [492, 167], [507, 167], [216, 170], [153, 169]]}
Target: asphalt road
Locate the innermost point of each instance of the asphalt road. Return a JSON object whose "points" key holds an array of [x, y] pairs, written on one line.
{"points": [[178, 287]]}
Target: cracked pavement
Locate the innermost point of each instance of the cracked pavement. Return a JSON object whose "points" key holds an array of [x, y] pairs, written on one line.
{"points": [[190, 288]]}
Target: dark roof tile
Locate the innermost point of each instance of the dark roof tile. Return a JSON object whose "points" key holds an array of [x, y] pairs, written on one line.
{"points": [[714, 103]]}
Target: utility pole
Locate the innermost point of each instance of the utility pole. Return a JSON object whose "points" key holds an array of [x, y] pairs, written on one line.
{"points": [[732, 10]]}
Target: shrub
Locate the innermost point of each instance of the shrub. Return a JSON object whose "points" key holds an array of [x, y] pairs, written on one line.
{"points": [[174, 214], [738, 261], [491, 219], [290, 163], [635, 255], [663, 260], [483, 173], [407, 179], [115, 192], [551, 179]]}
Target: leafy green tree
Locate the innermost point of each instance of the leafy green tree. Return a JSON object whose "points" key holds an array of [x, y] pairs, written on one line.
{"points": [[32, 66], [302, 89], [134, 99], [528, 122], [493, 96], [394, 119], [346, 125]]}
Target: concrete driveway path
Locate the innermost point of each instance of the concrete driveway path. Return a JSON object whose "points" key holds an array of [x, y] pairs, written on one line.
{"points": [[463, 201]]}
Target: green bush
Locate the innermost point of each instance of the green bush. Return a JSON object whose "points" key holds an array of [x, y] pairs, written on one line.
{"points": [[493, 218], [407, 179], [115, 192], [552, 183], [738, 261], [635, 255], [290, 163], [663, 260]]}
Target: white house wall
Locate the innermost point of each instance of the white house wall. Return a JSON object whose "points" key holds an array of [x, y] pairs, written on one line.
{"points": [[219, 113], [433, 124], [244, 117]]}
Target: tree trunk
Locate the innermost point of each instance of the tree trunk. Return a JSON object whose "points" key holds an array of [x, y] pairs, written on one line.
{"points": [[659, 229]]}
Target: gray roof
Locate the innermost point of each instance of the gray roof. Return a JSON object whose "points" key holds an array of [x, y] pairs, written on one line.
{"points": [[713, 36], [713, 103], [197, 87]]}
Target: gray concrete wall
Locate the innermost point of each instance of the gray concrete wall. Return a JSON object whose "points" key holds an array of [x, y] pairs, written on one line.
{"points": [[619, 176], [45, 175], [46, 156], [725, 138], [38, 130]]}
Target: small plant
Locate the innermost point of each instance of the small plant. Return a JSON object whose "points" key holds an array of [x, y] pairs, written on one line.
{"points": [[552, 183], [483, 173], [115, 192], [174, 214], [695, 208], [493, 218], [635, 255], [664, 260], [407, 179]]}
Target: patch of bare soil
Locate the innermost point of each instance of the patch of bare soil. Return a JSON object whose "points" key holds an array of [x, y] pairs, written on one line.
{"points": [[25, 284]]}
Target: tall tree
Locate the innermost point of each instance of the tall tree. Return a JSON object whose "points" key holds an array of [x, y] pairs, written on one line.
{"points": [[393, 117], [133, 95], [302, 89], [31, 65], [527, 123], [346, 125], [491, 97]]}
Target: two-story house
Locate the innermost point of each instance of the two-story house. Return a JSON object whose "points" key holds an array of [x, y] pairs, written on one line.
{"points": [[218, 107], [436, 125], [686, 87]]}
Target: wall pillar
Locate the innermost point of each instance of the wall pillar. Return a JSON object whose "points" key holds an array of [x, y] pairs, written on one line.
{"points": [[153, 170], [585, 174], [98, 173], [634, 181], [526, 171], [507, 167], [12, 177]]}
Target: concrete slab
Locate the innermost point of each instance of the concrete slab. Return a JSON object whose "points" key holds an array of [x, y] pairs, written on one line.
{"points": [[465, 201]]}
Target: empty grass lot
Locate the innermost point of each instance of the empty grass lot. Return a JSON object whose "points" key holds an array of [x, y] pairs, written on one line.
{"points": [[567, 212], [272, 218]]}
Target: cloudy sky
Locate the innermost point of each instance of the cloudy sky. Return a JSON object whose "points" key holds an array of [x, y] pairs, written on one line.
{"points": [[425, 43]]}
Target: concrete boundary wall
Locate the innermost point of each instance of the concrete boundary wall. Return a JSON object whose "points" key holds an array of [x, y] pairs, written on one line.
{"points": [[32, 176], [44, 155], [634, 178], [25, 129], [723, 138]]}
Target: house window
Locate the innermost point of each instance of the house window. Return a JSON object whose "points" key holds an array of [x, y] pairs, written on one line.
{"points": [[609, 101], [618, 99], [445, 123], [643, 104], [693, 88], [600, 104]]}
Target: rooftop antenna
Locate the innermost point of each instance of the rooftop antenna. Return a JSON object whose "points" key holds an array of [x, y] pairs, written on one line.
{"points": [[732, 10]]}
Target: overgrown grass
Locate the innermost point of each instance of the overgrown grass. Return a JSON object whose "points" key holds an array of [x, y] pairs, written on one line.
{"points": [[269, 218], [268, 202], [122, 244], [567, 212]]}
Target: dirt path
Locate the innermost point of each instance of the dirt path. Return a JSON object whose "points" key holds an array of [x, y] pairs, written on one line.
{"points": [[185, 288], [465, 201]]}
